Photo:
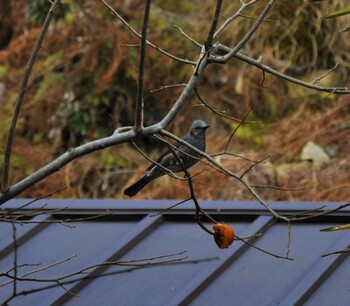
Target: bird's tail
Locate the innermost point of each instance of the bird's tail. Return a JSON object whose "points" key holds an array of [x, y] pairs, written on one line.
{"points": [[135, 188]]}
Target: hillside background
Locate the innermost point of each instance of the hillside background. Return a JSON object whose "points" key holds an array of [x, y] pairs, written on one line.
{"points": [[83, 85]]}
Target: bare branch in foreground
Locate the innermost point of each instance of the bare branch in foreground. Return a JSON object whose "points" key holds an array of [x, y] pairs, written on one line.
{"points": [[220, 113], [139, 99], [228, 173], [223, 59], [150, 261], [317, 80], [257, 63], [262, 250], [6, 167], [148, 42]]}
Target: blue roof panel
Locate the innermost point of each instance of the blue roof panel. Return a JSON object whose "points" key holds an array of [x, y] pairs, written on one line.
{"points": [[241, 274]]}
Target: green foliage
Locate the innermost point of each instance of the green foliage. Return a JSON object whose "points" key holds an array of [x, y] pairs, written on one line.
{"points": [[336, 228], [6, 110], [251, 132], [108, 160], [16, 161], [97, 101], [52, 60], [273, 104], [49, 80], [338, 13], [105, 47], [39, 137], [79, 118], [3, 71], [328, 97], [82, 115], [37, 10], [69, 17]]}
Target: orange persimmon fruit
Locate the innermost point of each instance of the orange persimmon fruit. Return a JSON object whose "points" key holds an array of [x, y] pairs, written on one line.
{"points": [[223, 235]]}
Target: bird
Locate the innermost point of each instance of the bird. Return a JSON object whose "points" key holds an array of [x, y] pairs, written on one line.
{"points": [[186, 157]]}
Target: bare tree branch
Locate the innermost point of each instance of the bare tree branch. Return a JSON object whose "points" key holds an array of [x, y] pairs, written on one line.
{"points": [[262, 250], [257, 63], [245, 39], [215, 111], [228, 173], [150, 261], [233, 17], [15, 257], [199, 210], [209, 40], [67, 157], [167, 86], [317, 80], [6, 168], [184, 61], [139, 100]]}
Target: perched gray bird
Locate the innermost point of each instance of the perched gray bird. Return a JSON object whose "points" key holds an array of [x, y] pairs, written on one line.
{"points": [[189, 157]]}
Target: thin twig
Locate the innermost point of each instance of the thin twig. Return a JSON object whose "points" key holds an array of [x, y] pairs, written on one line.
{"points": [[15, 258], [220, 113], [233, 17], [233, 154], [167, 86], [324, 213], [228, 173], [181, 60], [170, 207], [12, 211], [257, 63], [317, 80], [254, 18], [277, 188], [49, 221], [187, 36], [248, 35], [166, 170], [262, 250], [237, 127], [289, 238], [150, 261], [253, 165], [199, 210]]}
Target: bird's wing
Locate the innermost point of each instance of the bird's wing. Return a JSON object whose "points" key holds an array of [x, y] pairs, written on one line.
{"points": [[166, 159]]}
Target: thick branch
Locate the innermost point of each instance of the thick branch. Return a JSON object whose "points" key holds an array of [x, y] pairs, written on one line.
{"points": [[209, 40], [65, 158], [202, 63]]}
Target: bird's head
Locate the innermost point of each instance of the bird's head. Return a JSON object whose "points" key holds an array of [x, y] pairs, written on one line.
{"points": [[198, 128]]}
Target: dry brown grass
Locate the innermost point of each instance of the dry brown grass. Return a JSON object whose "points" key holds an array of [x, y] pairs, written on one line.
{"points": [[295, 39]]}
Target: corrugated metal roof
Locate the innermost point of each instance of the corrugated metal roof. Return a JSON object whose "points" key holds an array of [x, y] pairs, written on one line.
{"points": [[240, 275]]}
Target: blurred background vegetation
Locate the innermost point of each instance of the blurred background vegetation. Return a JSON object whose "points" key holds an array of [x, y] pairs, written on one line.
{"points": [[83, 85]]}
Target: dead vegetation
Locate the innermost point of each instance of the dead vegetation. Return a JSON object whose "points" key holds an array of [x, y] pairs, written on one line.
{"points": [[84, 84]]}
